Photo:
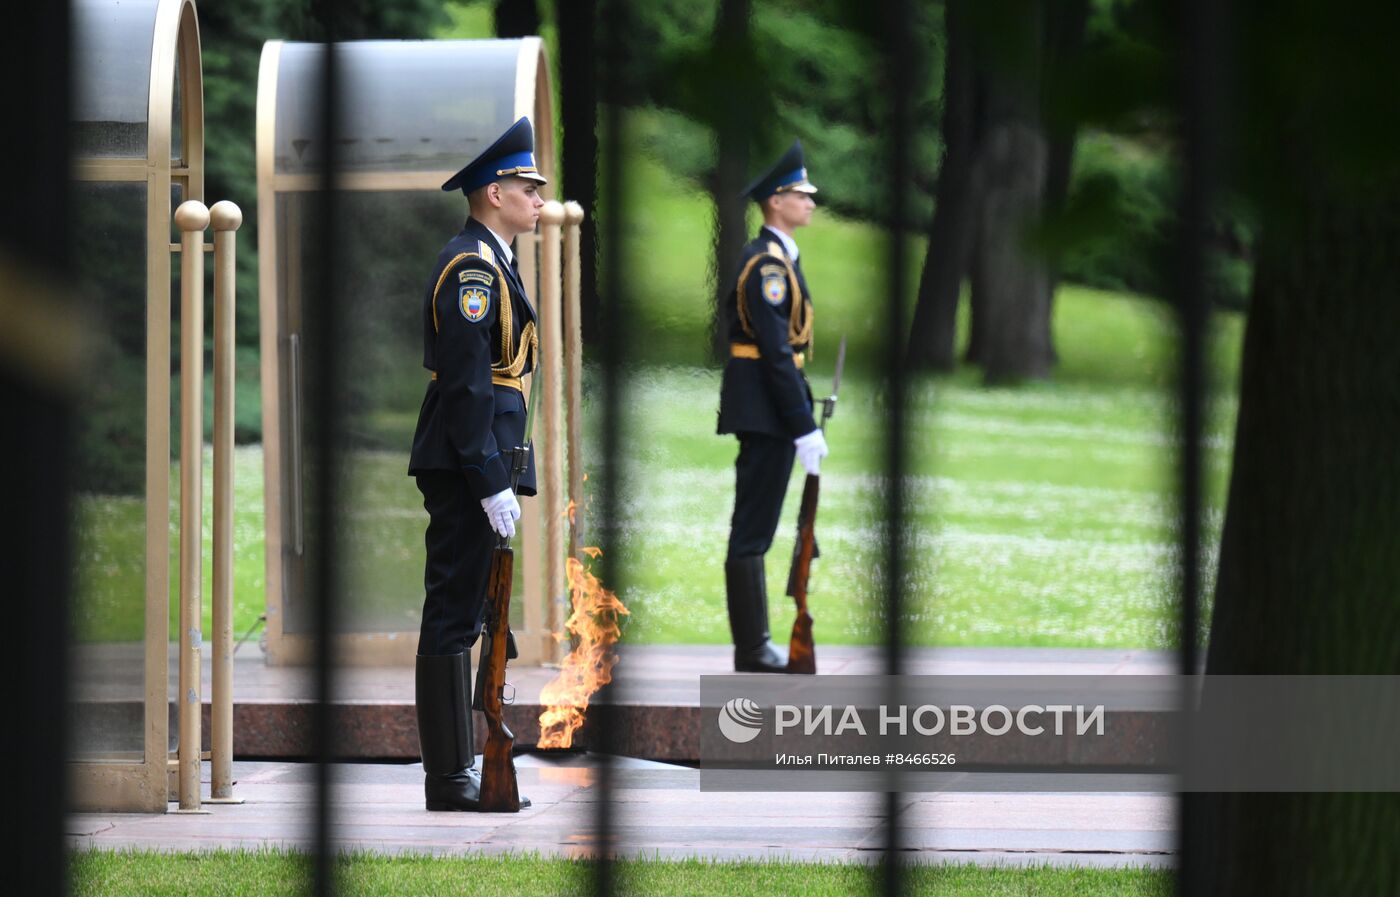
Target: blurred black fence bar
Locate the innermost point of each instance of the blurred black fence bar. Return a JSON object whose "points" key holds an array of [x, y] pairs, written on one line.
{"points": [[899, 64], [36, 403], [325, 389], [1199, 87], [612, 341]]}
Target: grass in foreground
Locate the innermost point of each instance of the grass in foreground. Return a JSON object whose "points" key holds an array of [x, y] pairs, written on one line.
{"points": [[276, 872]]}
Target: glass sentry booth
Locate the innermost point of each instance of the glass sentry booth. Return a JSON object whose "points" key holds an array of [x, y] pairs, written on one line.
{"points": [[138, 152], [411, 114]]}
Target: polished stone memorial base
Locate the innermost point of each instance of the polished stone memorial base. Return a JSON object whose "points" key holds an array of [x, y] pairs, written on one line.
{"points": [[657, 701]]}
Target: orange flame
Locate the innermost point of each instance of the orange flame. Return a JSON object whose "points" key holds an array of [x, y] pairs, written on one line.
{"points": [[588, 667]]}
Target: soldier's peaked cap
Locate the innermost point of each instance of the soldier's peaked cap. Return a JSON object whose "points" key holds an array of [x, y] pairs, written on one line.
{"points": [[512, 155], [788, 175]]}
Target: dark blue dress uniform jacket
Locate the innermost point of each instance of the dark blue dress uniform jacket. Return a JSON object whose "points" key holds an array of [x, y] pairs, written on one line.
{"points": [[467, 423], [768, 394]]}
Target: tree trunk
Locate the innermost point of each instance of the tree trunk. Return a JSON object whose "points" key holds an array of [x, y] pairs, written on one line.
{"points": [[954, 227], [1014, 300], [1311, 548], [1309, 577], [1064, 44], [976, 290], [1010, 281]]}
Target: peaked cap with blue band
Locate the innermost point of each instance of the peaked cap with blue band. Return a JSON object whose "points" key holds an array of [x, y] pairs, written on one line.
{"points": [[512, 155], [788, 175]]}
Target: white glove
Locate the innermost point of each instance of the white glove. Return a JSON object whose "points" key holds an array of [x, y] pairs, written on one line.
{"points": [[502, 510], [811, 449]]}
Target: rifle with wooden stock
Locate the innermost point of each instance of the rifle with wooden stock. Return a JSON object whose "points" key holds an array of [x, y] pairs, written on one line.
{"points": [[802, 652], [500, 792]]}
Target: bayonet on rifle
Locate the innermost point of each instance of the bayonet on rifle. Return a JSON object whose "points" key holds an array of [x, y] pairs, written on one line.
{"points": [[829, 403]]}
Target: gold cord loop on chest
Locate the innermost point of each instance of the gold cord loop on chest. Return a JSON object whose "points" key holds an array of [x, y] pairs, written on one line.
{"points": [[513, 360], [800, 318]]}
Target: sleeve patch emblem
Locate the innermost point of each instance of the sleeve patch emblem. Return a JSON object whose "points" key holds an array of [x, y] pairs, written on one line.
{"points": [[774, 288], [471, 275], [474, 302]]}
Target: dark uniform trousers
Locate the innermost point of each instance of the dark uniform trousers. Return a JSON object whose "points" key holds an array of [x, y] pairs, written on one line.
{"points": [[459, 544], [761, 472]]}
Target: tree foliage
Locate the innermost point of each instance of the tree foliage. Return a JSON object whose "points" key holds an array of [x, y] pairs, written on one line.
{"points": [[809, 72]]}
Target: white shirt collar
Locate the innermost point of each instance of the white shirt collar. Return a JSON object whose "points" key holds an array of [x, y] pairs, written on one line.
{"points": [[501, 242], [789, 243]]}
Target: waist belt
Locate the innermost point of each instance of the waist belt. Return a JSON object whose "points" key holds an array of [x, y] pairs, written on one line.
{"points": [[749, 350], [516, 383]]}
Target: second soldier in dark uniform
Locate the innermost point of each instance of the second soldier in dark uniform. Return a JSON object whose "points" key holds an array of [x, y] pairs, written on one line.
{"points": [[765, 400], [478, 341]]}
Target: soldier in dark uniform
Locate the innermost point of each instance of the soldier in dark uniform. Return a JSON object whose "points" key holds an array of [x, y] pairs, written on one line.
{"points": [[765, 400], [478, 341]]}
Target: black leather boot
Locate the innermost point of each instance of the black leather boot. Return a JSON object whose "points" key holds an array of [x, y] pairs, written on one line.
{"points": [[747, 593], [443, 688]]}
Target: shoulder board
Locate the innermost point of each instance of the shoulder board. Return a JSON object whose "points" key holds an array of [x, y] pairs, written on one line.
{"points": [[473, 267], [486, 251], [776, 248]]}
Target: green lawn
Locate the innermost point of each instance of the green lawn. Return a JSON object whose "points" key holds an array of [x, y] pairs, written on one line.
{"points": [[109, 543], [217, 873], [1040, 516]]}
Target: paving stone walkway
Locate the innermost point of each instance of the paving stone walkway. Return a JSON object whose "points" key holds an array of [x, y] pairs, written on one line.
{"points": [[660, 812]]}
